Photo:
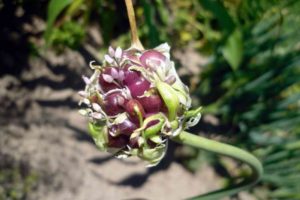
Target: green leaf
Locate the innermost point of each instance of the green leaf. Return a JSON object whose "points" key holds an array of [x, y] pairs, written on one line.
{"points": [[233, 49], [219, 11], [259, 81], [149, 13], [55, 7], [292, 99]]}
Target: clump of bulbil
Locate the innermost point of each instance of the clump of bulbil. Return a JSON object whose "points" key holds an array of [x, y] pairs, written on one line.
{"points": [[135, 101]]}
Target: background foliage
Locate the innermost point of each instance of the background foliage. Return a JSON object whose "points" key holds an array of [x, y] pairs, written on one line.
{"points": [[250, 80]]}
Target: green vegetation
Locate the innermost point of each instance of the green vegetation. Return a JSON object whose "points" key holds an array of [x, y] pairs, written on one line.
{"points": [[254, 77], [16, 181], [251, 82]]}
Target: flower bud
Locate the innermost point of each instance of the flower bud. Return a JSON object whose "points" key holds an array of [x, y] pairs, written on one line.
{"points": [[152, 59], [130, 76], [152, 103], [138, 87], [108, 78], [127, 127], [113, 103], [135, 110]]}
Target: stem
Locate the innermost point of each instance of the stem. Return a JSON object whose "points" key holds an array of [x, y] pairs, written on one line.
{"points": [[226, 150], [135, 41]]}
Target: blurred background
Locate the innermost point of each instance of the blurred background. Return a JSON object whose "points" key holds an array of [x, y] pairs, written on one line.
{"points": [[240, 58]]}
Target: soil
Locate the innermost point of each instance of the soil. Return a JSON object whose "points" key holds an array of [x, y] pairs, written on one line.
{"points": [[40, 124]]}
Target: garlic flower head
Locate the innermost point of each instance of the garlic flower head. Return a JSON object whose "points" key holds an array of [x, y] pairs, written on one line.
{"points": [[135, 101]]}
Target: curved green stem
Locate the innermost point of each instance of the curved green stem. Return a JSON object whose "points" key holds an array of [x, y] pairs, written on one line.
{"points": [[226, 150]]}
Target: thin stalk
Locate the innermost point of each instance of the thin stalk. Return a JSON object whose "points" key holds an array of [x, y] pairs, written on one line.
{"points": [[135, 41], [226, 150]]}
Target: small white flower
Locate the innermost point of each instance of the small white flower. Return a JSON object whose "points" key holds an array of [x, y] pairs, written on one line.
{"points": [[111, 51], [86, 80], [118, 53], [83, 112], [114, 73], [86, 101], [82, 93], [108, 78], [121, 75], [96, 107], [96, 115], [108, 59]]}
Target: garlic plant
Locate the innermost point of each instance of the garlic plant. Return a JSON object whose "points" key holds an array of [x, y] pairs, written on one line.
{"points": [[136, 102]]}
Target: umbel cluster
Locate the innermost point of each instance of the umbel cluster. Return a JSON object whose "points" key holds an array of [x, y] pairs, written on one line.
{"points": [[135, 101]]}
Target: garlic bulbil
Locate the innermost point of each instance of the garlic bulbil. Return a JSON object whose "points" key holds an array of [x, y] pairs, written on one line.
{"points": [[135, 102]]}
